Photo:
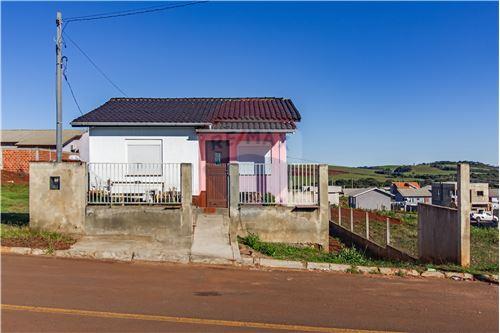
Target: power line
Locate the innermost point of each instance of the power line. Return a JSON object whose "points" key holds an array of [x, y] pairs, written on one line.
{"points": [[111, 13], [95, 65], [128, 12], [69, 85]]}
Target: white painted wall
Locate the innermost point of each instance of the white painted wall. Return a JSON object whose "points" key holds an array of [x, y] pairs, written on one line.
{"points": [[81, 145], [179, 145]]}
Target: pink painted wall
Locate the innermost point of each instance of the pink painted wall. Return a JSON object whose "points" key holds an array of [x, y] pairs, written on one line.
{"points": [[276, 140]]}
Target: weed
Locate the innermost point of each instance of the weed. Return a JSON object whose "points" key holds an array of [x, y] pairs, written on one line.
{"points": [[400, 273], [353, 270]]}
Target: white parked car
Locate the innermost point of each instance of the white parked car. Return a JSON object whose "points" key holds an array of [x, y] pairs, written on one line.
{"points": [[483, 216]]}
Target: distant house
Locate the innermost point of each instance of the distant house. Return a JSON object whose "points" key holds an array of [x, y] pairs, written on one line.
{"points": [[493, 196], [409, 198], [21, 146], [369, 198], [403, 185], [445, 194], [479, 196], [334, 193]]}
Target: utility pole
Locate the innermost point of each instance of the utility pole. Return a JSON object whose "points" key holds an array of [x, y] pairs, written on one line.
{"points": [[59, 86]]}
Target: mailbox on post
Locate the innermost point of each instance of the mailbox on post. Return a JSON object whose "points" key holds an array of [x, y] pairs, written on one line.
{"points": [[55, 182]]}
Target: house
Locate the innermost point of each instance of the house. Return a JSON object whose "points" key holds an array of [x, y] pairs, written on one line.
{"points": [[479, 197], [369, 198], [403, 185], [20, 146], [493, 196], [409, 198], [334, 193], [445, 194], [151, 133]]}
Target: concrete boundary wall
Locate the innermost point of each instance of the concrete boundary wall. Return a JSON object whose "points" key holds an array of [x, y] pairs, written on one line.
{"points": [[278, 224], [166, 225], [62, 209], [65, 209], [374, 249], [438, 234], [281, 224]]}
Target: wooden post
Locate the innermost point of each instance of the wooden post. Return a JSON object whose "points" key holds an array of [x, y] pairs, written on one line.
{"points": [[367, 222], [340, 215], [388, 232], [352, 222]]}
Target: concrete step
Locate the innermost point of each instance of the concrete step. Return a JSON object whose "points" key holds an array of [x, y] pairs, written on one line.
{"points": [[211, 238]]}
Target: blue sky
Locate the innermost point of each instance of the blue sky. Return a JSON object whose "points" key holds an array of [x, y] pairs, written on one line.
{"points": [[376, 83]]}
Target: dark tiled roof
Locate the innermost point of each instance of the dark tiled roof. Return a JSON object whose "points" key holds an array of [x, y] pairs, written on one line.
{"points": [[254, 125], [223, 113]]}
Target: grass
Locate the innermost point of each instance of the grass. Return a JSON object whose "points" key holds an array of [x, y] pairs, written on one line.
{"points": [[14, 230], [23, 236], [346, 255], [484, 249], [15, 198], [484, 252]]}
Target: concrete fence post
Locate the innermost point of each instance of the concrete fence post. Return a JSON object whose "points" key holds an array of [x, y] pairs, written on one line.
{"points": [[186, 184], [352, 221], [388, 232], [234, 198], [367, 226], [464, 208], [340, 215], [324, 208], [187, 200]]}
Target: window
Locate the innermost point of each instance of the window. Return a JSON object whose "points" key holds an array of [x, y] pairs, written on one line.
{"points": [[217, 157], [144, 157], [480, 193], [254, 158]]}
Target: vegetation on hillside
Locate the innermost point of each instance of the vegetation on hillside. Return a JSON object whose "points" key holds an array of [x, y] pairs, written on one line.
{"points": [[425, 174]]}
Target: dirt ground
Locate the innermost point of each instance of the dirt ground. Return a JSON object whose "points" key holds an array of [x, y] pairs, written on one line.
{"points": [[10, 177], [36, 243], [217, 296]]}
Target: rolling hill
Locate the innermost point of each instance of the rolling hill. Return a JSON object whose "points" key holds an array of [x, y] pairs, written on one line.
{"points": [[424, 173]]}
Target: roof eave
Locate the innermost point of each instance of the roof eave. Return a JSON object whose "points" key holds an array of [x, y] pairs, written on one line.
{"points": [[244, 131], [132, 124]]}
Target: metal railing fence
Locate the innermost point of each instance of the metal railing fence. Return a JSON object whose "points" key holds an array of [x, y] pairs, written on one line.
{"points": [[303, 184], [279, 183], [134, 183]]}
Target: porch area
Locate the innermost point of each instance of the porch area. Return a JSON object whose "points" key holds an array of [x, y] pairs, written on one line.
{"points": [[265, 177]]}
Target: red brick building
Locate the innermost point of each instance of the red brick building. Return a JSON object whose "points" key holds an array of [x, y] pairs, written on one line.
{"points": [[20, 147]]}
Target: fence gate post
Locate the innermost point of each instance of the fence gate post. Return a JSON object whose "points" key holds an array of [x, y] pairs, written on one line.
{"points": [[352, 222], [464, 208], [367, 222], [340, 215], [324, 208], [388, 232]]}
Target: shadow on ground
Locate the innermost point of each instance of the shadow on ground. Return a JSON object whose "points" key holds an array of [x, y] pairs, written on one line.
{"points": [[18, 219]]}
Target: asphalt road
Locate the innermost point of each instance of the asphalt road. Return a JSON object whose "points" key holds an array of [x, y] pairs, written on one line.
{"points": [[66, 295]]}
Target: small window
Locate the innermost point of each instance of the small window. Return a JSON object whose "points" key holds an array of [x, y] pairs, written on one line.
{"points": [[144, 157], [255, 158], [218, 157], [480, 193]]}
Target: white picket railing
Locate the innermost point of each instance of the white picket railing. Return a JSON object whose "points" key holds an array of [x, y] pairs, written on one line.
{"points": [[134, 183], [303, 181], [278, 183]]}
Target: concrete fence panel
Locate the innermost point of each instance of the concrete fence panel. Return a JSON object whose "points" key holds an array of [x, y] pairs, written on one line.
{"points": [[438, 234]]}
